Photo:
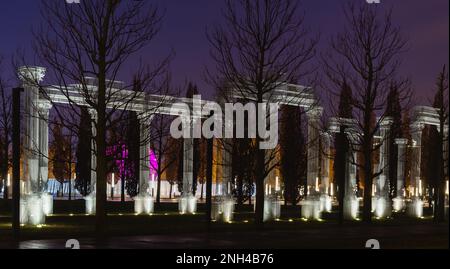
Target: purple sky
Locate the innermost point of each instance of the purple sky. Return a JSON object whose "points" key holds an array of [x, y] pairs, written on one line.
{"points": [[424, 22]]}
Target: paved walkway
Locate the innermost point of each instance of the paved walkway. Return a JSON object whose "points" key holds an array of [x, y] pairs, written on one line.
{"points": [[412, 236]]}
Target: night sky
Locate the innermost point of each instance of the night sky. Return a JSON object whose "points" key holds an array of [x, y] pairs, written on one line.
{"points": [[424, 22]]}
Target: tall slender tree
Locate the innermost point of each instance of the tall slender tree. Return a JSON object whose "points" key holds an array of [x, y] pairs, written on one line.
{"points": [[5, 131], [441, 150], [292, 153], [83, 154], [261, 45], [96, 39], [341, 145], [395, 112], [367, 54]]}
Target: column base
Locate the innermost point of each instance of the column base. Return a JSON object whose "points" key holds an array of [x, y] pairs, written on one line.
{"points": [[415, 208], [144, 204], [223, 209], [187, 204], [326, 203], [47, 204], [310, 208], [32, 210], [90, 202], [399, 204], [272, 208], [351, 207], [381, 206]]}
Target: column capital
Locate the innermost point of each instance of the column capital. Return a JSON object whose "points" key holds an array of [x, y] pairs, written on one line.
{"points": [[401, 141], [417, 126], [146, 117], [386, 122], [315, 113], [44, 105], [29, 74]]}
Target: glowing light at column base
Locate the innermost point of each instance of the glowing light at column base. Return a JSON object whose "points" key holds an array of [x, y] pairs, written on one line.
{"points": [[382, 208], [272, 208], [223, 209], [144, 204], [187, 204], [351, 207], [415, 208], [47, 204], [399, 204], [90, 202], [311, 209], [325, 203]]}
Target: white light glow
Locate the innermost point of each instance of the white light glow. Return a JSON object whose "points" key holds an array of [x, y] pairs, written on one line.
{"points": [[446, 187], [331, 189], [317, 184], [277, 184], [187, 204], [399, 204], [420, 187], [8, 181], [310, 209]]}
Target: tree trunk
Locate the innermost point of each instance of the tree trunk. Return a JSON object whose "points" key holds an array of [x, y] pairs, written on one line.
{"points": [[122, 190], [259, 213], [5, 166], [101, 196], [441, 184], [158, 189], [209, 178], [368, 181]]}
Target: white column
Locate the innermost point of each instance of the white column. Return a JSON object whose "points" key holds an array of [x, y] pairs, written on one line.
{"points": [[350, 175], [187, 202], [313, 147], [188, 159], [32, 208], [416, 134], [383, 182], [30, 78], [44, 109], [227, 166], [415, 208], [144, 153], [401, 159], [326, 145]]}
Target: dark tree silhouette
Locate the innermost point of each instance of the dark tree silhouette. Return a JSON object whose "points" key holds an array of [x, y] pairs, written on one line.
{"points": [[261, 45], [292, 153], [441, 149], [172, 162], [192, 90], [96, 39], [341, 145], [61, 148], [366, 54], [5, 131], [394, 111], [132, 143], [242, 167], [83, 154]]}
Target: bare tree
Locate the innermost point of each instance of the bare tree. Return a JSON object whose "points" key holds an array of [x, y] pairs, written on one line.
{"points": [[5, 129], [366, 56], [89, 44], [262, 45], [441, 151]]}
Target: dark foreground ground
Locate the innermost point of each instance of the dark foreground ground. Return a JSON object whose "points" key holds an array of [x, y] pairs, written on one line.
{"points": [[168, 229]]}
